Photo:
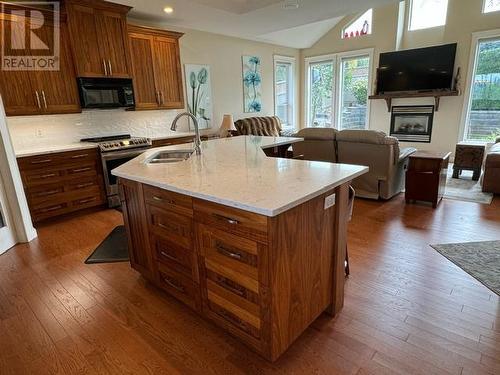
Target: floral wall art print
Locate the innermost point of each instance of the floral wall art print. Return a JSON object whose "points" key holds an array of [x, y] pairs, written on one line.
{"points": [[199, 93], [252, 84]]}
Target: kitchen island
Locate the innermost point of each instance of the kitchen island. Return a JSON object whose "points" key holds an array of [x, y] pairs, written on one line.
{"points": [[253, 243]]}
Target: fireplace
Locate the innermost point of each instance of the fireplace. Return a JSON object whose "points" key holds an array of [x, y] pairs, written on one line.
{"points": [[412, 123]]}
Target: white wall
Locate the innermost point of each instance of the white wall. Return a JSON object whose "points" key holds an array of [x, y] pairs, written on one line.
{"points": [[464, 18], [18, 219], [222, 53]]}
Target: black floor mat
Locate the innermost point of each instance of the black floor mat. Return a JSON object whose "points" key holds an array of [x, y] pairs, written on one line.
{"points": [[114, 248]]}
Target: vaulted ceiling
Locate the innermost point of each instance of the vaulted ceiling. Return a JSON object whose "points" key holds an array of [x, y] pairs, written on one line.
{"points": [[292, 23]]}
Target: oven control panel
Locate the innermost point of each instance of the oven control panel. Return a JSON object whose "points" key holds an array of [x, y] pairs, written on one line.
{"points": [[122, 144]]}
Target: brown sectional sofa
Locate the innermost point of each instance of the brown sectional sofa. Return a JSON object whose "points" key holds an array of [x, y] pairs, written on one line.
{"points": [[491, 176], [381, 153]]}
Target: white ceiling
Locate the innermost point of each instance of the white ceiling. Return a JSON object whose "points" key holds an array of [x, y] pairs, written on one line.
{"points": [[261, 20]]}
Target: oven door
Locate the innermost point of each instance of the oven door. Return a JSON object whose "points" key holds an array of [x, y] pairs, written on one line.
{"points": [[113, 160]]}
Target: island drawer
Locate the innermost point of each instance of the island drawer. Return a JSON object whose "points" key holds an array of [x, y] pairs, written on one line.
{"points": [[182, 204], [230, 256], [178, 285], [243, 223], [173, 255], [237, 322], [176, 228]]}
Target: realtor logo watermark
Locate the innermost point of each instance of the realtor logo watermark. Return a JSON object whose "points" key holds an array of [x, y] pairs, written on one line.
{"points": [[31, 37]]}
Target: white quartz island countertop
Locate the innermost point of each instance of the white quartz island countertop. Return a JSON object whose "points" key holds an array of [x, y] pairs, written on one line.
{"points": [[236, 172]]}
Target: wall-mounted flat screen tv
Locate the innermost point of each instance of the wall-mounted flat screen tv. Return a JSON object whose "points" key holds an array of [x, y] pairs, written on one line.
{"points": [[421, 69]]}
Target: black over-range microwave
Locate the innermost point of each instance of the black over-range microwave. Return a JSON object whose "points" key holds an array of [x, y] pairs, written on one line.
{"points": [[106, 92]]}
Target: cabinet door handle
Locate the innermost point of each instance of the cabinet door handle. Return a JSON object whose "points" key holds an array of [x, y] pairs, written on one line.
{"points": [[38, 99], [224, 251], [160, 199], [168, 256], [231, 318], [79, 156], [161, 97], [81, 186], [47, 175], [105, 67], [158, 98], [54, 208], [46, 193], [44, 99], [41, 161], [110, 69], [81, 170], [231, 288], [83, 201], [175, 286], [225, 218]]}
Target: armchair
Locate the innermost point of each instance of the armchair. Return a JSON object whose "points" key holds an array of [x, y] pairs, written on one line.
{"points": [[381, 154]]}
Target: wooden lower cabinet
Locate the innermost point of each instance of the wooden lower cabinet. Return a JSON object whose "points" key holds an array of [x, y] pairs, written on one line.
{"points": [[63, 182], [262, 279]]}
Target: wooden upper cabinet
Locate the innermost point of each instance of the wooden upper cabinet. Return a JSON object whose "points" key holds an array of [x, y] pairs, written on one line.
{"points": [[57, 89], [156, 68], [168, 72], [82, 22], [141, 51], [32, 92], [98, 31]]}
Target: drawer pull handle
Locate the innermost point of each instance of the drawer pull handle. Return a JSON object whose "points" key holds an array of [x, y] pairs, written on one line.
{"points": [[54, 208], [83, 201], [221, 249], [47, 175], [168, 256], [41, 161], [160, 199], [165, 226], [81, 186], [79, 156], [231, 288], [173, 285], [45, 193], [231, 318], [225, 218], [81, 170]]}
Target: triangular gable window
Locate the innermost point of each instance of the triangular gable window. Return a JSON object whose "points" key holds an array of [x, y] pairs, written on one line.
{"points": [[360, 26]]}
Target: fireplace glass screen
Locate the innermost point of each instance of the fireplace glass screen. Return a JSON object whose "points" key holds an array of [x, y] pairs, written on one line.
{"points": [[412, 123]]}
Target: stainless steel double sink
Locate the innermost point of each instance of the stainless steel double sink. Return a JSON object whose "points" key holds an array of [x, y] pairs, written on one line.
{"points": [[169, 156]]}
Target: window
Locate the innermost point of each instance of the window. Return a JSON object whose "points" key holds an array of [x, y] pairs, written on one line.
{"points": [[354, 92], [425, 14], [320, 111], [337, 88], [491, 6], [360, 26], [284, 91], [482, 120]]}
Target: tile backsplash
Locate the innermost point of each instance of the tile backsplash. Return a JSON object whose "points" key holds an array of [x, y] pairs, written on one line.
{"points": [[31, 131]]}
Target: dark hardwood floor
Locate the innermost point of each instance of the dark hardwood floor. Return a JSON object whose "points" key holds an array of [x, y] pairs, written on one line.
{"points": [[407, 308]]}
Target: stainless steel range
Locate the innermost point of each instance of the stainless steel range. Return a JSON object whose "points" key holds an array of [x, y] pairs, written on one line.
{"points": [[115, 151]]}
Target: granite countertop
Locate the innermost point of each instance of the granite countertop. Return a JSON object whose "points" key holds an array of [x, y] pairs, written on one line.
{"points": [[48, 146], [236, 172]]}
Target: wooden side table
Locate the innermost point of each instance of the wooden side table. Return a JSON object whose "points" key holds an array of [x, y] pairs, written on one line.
{"points": [[469, 157], [426, 176]]}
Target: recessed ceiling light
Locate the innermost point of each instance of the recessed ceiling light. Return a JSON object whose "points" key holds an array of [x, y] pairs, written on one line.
{"points": [[168, 10]]}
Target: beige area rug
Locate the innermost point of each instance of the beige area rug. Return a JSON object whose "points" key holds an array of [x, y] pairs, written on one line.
{"points": [[465, 189], [481, 260]]}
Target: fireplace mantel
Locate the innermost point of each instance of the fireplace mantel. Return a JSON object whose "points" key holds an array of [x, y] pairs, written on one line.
{"points": [[412, 94]]}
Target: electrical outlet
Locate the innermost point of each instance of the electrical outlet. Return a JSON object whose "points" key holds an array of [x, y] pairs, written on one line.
{"points": [[330, 201], [39, 133]]}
